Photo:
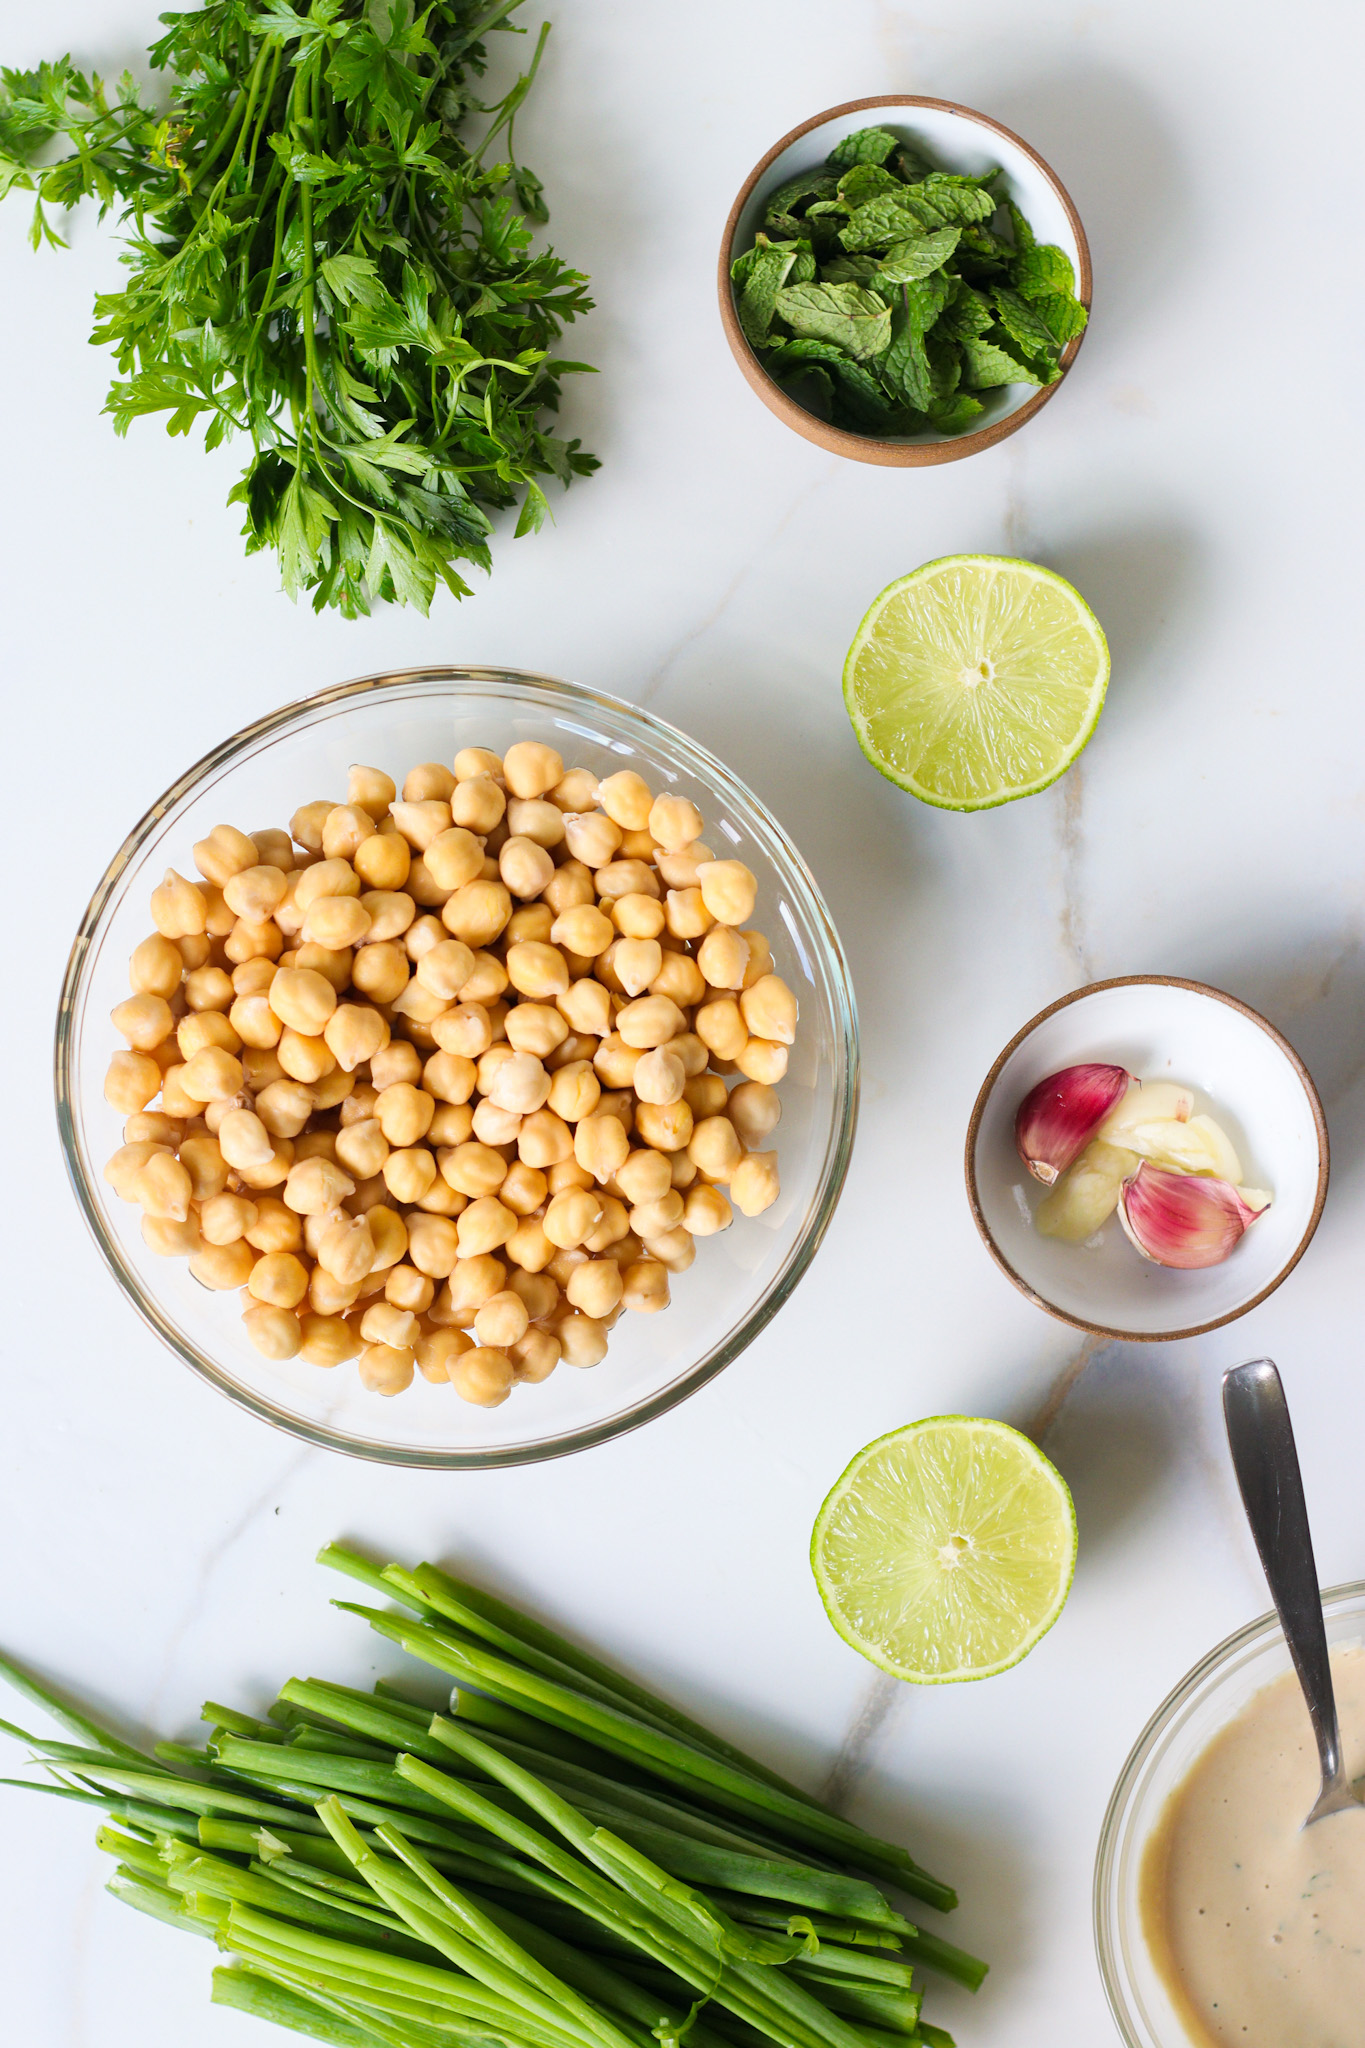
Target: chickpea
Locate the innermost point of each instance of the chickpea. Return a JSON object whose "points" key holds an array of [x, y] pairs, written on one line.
{"points": [[655, 1219], [380, 972], [706, 1211], [705, 1096], [644, 1287], [386, 1369], [635, 962], [276, 1229], [502, 1321], [583, 1341], [423, 887], [437, 1351], [528, 1247], [324, 878], [248, 941], [448, 1077], [482, 1376], [535, 1028], [754, 1109], [406, 1288], [385, 1324], [487, 982], [155, 967], [121, 1171], [626, 798], [254, 1022], [494, 1126], [659, 1077], [251, 978], [305, 827], [475, 1280], [223, 854], [441, 1200], [390, 911], [428, 782], [484, 1226], [531, 768], [333, 965], [474, 761], [592, 837], [464, 1032], [723, 957], [536, 819], [212, 1075], [688, 1048], [754, 1183], [587, 1006], [686, 914], [244, 1139], [534, 1357], [279, 1280], [571, 1217], [524, 866], [404, 1113], [477, 913], [220, 918], [761, 1059], [637, 916], [520, 1083], [409, 1172], [644, 1177], [650, 1021], [537, 970], [595, 1288], [666, 1127], [453, 858], [478, 804], [163, 1188], [204, 1028], [618, 1103], [570, 888], [223, 1266], [178, 907], [583, 929], [273, 1172], [675, 1249], [275, 1332], [131, 1080], [714, 1147], [612, 1225], [353, 1034], [371, 789], [721, 1027], [383, 861], [151, 1126], [578, 790], [336, 922], [284, 1107], [315, 1185], [390, 1234], [574, 1091], [203, 1161], [255, 893], [345, 1247], [544, 1139], [600, 1146], [170, 1239], [144, 1020], [770, 1010], [174, 1100], [344, 832], [194, 950], [674, 822], [421, 821], [224, 1218], [304, 1059], [327, 1340]]}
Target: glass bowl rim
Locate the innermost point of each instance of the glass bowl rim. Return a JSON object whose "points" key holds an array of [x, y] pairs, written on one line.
{"points": [[838, 1147], [1118, 1815]]}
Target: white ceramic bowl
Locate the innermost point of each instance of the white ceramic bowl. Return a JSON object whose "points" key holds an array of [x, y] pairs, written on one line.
{"points": [[955, 138], [1182, 1727], [1254, 1082]]}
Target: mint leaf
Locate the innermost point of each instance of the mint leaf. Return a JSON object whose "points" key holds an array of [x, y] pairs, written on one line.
{"points": [[1023, 322], [845, 314], [1024, 237], [905, 366], [986, 365], [849, 270], [864, 182], [953, 415], [879, 222], [811, 185], [968, 314], [956, 201], [760, 289], [1041, 270], [867, 146], [918, 256], [1065, 317]]}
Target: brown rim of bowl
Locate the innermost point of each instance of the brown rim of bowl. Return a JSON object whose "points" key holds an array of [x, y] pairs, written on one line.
{"points": [[1219, 995], [864, 447]]}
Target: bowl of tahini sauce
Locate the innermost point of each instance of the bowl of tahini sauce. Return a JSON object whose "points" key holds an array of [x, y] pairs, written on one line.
{"points": [[1220, 1921]]}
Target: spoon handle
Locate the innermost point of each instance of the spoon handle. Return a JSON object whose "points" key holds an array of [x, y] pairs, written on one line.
{"points": [[1261, 1439]]}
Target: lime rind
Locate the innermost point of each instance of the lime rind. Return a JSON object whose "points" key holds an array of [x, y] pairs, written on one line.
{"points": [[879, 1540], [1042, 687]]}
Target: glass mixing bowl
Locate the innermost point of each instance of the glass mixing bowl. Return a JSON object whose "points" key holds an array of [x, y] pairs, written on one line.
{"points": [[1179, 1731], [740, 1278]]}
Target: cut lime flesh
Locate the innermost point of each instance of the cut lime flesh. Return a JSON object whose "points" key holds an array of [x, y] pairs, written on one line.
{"points": [[976, 679], [946, 1549]]}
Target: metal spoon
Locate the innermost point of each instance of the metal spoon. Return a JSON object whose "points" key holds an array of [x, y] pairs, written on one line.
{"points": [[1261, 1439]]}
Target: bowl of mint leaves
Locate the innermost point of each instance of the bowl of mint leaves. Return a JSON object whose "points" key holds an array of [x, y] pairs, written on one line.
{"points": [[904, 281]]}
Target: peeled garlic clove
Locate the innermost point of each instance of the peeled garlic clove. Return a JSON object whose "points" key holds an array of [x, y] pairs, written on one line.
{"points": [[1183, 1219], [1087, 1194], [1226, 1164], [1255, 1198], [1057, 1119], [1150, 1102], [1199, 1146]]}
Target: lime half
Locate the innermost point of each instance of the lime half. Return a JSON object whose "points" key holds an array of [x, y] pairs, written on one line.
{"points": [[946, 1550], [975, 680]]}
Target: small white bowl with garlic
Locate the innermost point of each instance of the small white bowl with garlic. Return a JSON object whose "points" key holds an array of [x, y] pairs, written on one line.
{"points": [[1239, 1072]]}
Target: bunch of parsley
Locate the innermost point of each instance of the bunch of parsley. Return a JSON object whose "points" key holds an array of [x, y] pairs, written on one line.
{"points": [[320, 261], [883, 294]]}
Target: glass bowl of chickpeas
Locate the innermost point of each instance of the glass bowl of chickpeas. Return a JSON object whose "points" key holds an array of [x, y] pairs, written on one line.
{"points": [[478, 1108]]}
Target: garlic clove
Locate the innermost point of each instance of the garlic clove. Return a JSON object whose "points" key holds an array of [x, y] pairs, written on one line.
{"points": [[1087, 1194], [1183, 1220], [1150, 1102], [1255, 1198], [1226, 1164], [1198, 1146], [1057, 1119]]}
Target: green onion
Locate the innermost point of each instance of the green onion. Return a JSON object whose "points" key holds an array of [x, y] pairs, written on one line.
{"points": [[562, 1861]]}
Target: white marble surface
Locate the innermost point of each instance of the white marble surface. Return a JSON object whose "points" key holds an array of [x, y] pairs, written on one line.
{"points": [[1198, 478]]}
